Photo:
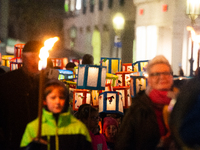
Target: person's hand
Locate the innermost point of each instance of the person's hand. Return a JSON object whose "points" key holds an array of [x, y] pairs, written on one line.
{"points": [[36, 144]]}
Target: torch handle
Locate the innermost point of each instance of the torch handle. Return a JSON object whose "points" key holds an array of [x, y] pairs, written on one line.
{"points": [[40, 104]]}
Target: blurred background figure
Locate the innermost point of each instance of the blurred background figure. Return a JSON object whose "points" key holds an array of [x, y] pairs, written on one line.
{"points": [[143, 125], [70, 66], [90, 117], [184, 119], [19, 97], [110, 128], [88, 59]]}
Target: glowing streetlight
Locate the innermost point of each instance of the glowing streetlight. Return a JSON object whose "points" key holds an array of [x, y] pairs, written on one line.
{"points": [[193, 9], [118, 25]]}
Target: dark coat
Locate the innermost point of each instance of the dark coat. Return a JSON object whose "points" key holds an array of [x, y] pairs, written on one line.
{"points": [[139, 130], [18, 106], [184, 119]]}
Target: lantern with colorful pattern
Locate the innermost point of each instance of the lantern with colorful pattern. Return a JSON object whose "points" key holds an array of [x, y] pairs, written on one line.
{"points": [[140, 65], [110, 102], [126, 95], [113, 64], [80, 96]]}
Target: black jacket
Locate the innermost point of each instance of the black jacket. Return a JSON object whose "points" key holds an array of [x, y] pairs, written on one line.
{"points": [[139, 130], [18, 106]]}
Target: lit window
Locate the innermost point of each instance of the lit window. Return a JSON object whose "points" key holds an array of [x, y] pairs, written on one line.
{"points": [[146, 46], [72, 5], [66, 6], [78, 4]]}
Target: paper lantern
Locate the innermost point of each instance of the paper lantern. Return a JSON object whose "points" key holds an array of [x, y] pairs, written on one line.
{"points": [[140, 65], [80, 96], [65, 74], [95, 98], [126, 95], [18, 48], [58, 62], [111, 79], [127, 67], [138, 83], [123, 78], [110, 102], [71, 86], [91, 77], [113, 64], [15, 63]]}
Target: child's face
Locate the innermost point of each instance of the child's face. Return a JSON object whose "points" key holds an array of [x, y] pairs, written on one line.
{"points": [[110, 131], [55, 101]]}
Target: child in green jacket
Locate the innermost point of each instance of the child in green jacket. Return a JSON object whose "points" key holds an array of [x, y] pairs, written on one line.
{"points": [[60, 129]]}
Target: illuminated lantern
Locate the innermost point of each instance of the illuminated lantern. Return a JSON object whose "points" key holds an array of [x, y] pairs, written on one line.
{"points": [[76, 61], [75, 73], [140, 65], [95, 98], [15, 63], [127, 67], [123, 78], [111, 79], [110, 102], [91, 77], [65, 74], [80, 96], [71, 86], [138, 83], [58, 62], [113, 64], [18, 48], [108, 87], [126, 95]]}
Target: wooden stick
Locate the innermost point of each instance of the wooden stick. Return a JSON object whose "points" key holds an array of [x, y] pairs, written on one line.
{"points": [[40, 103]]}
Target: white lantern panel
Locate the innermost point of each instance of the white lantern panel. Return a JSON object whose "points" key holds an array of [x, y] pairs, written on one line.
{"points": [[92, 76], [81, 76], [127, 79], [120, 103], [78, 100], [111, 101], [103, 77], [129, 68], [101, 98], [123, 96], [140, 84], [88, 98], [129, 97], [119, 79]]}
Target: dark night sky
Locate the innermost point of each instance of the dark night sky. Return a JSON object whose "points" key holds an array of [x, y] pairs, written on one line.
{"points": [[35, 19]]}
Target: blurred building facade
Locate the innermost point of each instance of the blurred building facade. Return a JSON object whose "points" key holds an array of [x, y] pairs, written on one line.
{"points": [[88, 24], [152, 27], [161, 28]]}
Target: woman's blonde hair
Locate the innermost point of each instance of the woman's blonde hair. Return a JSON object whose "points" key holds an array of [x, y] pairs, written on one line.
{"points": [[159, 59]]}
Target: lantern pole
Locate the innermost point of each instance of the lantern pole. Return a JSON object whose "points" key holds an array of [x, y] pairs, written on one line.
{"points": [[193, 11]]}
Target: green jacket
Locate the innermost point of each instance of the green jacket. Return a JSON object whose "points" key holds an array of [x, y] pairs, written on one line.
{"points": [[68, 133]]}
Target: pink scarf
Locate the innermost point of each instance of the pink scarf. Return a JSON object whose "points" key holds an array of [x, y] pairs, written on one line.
{"points": [[159, 98]]}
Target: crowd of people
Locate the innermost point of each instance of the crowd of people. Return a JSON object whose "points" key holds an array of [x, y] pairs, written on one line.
{"points": [[161, 117]]}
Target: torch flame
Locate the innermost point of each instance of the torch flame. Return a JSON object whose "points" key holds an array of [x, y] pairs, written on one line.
{"points": [[44, 52]]}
